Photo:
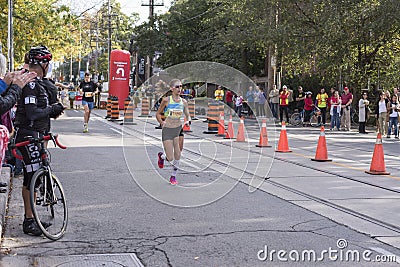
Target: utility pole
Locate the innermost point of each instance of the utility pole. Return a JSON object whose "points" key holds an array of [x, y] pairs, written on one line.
{"points": [[10, 36], [110, 28], [71, 77], [151, 4], [109, 39], [80, 48], [97, 45]]}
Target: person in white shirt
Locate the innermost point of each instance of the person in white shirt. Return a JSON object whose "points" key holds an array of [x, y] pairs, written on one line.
{"points": [[393, 110], [381, 113]]}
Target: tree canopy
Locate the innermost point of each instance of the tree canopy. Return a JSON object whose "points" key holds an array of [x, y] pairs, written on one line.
{"points": [[314, 42], [68, 35]]}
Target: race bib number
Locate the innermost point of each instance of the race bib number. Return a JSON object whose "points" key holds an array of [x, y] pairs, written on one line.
{"points": [[88, 94], [30, 100], [175, 113]]}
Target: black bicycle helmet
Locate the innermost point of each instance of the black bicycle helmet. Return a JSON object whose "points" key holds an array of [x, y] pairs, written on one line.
{"points": [[39, 54]]}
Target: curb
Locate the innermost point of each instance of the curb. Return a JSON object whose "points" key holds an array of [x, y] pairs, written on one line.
{"points": [[5, 176]]}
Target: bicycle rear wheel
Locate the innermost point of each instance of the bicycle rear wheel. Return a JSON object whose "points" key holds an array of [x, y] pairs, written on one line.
{"points": [[49, 205], [295, 119]]}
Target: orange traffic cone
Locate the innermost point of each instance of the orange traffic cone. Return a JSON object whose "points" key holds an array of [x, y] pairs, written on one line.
{"points": [[240, 136], [283, 145], [230, 134], [221, 125], [263, 142], [322, 151], [378, 162], [186, 126]]}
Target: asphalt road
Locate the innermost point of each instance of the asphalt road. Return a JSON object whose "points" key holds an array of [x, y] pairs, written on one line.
{"points": [[114, 216]]}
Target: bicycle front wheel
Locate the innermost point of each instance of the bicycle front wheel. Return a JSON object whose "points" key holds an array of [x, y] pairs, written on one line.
{"points": [[49, 205], [295, 119], [314, 120]]}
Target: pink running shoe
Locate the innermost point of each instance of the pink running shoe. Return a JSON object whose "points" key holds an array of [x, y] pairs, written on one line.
{"points": [[172, 180], [160, 160]]}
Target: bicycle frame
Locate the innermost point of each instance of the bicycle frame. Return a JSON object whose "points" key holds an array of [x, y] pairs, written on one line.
{"points": [[45, 163], [43, 187]]}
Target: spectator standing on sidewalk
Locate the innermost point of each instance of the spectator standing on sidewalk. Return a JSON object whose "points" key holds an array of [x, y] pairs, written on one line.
{"points": [[274, 101], [362, 113], [291, 100], [229, 100], [300, 96], [347, 99], [219, 94], [257, 101], [250, 101], [336, 103], [308, 108], [262, 103], [284, 104], [238, 104], [381, 114], [322, 103], [393, 110], [71, 96]]}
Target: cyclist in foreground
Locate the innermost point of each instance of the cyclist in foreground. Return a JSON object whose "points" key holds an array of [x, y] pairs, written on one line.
{"points": [[33, 119]]}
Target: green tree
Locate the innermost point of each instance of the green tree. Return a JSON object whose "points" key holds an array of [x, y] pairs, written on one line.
{"points": [[37, 22], [315, 43]]}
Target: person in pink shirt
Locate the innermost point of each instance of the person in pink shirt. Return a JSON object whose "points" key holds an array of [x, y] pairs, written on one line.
{"points": [[308, 107], [336, 102]]}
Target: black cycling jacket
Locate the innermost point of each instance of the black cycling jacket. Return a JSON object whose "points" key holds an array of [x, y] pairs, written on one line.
{"points": [[33, 108]]}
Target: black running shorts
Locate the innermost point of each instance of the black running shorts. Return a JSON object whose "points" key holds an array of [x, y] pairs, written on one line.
{"points": [[171, 133]]}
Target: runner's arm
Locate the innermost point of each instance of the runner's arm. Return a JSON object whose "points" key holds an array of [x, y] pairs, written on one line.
{"points": [[186, 111]]}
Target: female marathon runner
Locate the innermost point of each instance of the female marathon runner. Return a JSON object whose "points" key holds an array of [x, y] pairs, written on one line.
{"points": [[173, 107]]}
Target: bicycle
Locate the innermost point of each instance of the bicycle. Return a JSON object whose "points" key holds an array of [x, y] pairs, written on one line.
{"points": [[297, 118], [48, 202], [354, 116]]}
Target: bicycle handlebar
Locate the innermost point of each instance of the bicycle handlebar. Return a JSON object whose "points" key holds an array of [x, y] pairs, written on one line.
{"points": [[33, 140]]}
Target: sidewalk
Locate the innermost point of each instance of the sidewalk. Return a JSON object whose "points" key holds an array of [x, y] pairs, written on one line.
{"points": [[5, 176]]}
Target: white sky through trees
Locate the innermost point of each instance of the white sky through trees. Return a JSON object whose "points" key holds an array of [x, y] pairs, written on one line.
{"points": [[127, 6]]}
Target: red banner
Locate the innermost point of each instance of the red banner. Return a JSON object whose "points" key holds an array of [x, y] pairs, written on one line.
{"points": [[119, 75]]}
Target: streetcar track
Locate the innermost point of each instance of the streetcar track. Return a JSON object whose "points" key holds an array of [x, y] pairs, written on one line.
{"points": [[306, 166], [328, 203]]}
